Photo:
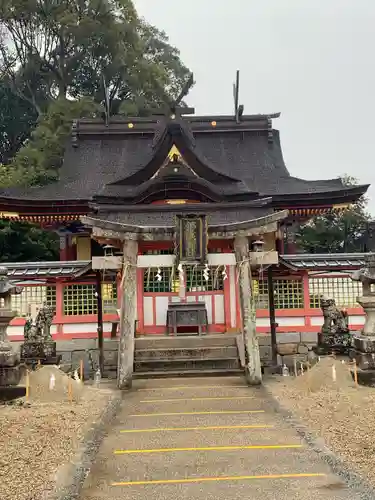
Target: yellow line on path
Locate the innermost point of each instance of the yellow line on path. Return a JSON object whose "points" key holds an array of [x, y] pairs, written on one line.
{"points": [[225, 412], [213, 479], [210, 448], [204, 428], [195, 387], [195, 399]]}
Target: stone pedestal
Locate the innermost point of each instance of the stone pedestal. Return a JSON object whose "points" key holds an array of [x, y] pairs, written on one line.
{"points": [[34, 351], [9, 359], [363, 350]]}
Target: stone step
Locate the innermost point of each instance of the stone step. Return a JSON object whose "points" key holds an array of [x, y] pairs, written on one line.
{"points": [[184, 364], [186, 353], [188, 341], [188, 373]]}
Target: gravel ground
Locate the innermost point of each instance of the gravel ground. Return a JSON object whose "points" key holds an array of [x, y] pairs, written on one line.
{"points": [[340, 412], [38, 438]]}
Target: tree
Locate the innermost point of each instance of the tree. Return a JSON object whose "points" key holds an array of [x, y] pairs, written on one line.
{"points": [[54, 57], [56, 54], [17, 119], [20, 242], [338, 231]]}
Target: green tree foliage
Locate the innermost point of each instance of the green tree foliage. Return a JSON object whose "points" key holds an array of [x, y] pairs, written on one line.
{"points": [[54, 57], [55, 54], [20, 242], [39, 160], [17, 118], [337, 232]]}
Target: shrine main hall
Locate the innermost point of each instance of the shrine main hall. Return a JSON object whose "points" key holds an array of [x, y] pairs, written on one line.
{"points": [[181, 201]]}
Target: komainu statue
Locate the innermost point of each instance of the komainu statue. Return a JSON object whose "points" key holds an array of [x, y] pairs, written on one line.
{"points": [[38, 345], [335, 334], [40, 329]]}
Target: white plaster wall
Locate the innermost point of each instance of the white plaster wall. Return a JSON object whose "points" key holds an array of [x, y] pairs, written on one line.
{"points": [[148, 311], [18, 330], [286, 321], [316, 320], [219, 309], [86, 327], [291, 321], [161, 310]]}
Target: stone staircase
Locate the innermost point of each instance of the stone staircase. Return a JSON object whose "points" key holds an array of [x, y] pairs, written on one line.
{"points": [[186, 355]]}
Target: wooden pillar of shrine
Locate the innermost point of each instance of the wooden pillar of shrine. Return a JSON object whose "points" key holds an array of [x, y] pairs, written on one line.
{"points": [[127, 315], [248, 313]]}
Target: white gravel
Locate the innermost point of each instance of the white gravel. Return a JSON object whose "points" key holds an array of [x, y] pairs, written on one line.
{"points": [[36, 440], [340, 412]]}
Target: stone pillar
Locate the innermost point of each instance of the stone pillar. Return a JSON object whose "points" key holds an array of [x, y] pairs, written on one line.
{"points": [[364, 343], [248, 312], [127, 315]]}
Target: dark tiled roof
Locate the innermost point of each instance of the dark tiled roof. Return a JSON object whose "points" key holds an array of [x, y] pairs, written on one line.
{"points": [[249, 153], [334, 261], [23, 271], [20, 272]]}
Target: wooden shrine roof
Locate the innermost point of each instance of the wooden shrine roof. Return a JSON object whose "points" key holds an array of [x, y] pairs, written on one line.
{"points": [[20, 272], [46, 270], [128, 159]]}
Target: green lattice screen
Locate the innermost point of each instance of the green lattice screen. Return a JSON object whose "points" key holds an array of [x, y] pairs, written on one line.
{"points": [[288, 293], [194, 279], [340, 288], [81, 300], [39, 295]]}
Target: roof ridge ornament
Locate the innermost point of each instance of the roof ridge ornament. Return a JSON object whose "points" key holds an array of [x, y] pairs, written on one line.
{"points": [[238, 108], [107, 110], [74, 132], [173, 108]]}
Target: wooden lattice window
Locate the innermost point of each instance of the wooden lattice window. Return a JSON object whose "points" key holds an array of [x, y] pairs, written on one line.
{"points": [[80, 299], [340, 288], [195, 281], [288, 293], [151, 284], [109, 298], [39, 295]]}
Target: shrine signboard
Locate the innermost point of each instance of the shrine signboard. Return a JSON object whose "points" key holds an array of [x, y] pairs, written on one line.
{"points": [[191, 239]]}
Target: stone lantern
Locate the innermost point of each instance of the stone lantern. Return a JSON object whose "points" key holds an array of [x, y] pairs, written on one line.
{"points": [[9, 359], [364, 342]]}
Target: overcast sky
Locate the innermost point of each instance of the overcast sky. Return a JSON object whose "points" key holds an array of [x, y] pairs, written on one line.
{"points": [[313, 60]]}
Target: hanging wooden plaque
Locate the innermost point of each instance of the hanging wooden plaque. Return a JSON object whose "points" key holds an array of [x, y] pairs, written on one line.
{"points": [[191, 239]]}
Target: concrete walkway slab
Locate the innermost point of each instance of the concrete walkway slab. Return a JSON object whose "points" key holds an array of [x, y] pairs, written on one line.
{"points": [[210, 438]]}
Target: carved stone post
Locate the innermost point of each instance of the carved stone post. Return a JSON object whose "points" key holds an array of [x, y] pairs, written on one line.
{"points": [[9, 359], [127, 315], [253, 368], [364, 342]]}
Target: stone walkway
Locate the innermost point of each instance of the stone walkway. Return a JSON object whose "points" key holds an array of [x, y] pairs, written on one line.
{"points": [[208, 438]]}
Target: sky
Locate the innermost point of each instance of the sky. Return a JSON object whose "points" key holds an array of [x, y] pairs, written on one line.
{"points": [[312, 60]]}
